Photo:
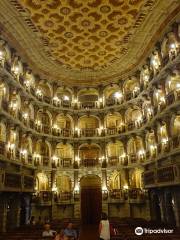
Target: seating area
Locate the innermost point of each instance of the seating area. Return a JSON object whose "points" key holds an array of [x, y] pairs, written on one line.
{"points": [[35, 232], [123, 229]]}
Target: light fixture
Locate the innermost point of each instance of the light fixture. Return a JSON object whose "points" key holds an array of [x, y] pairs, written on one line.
{"points": [[173, 46], [54, 189], [162, 99], [146, 78], [55, 126], [38, 122], [39, 92], [100, 100], [76, 189], [149, 110], [23, 151], [155, 63], [125, 187], [141, 152], [152, 146], [25, 115], [178, 86], [104, 188], [123, 155], [54, 158], [66, 98], [136, 89], [16, 70], [164, 140], [117, 95], [56, 99], [75, 100]]}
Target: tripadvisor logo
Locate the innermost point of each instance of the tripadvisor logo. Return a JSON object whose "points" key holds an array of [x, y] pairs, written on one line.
{"points": [[139, 231]]}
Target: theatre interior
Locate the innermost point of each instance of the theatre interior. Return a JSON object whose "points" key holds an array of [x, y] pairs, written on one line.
{"points": [[89, 115]]}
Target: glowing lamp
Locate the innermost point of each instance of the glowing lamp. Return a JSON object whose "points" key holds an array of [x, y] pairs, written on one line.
{"points": [[66, 98], [125, 187], [117, 95]]}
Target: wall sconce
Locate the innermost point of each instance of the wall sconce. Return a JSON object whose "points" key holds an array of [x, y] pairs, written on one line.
{"points": [[16, 70], [56, 99], [38, 122], [77, 159], [118, 95], [125, 187], [77, 130], [55, 160], [11, 146], [141, 153], [13, 106], [54, 189], [39, 93], [25, 115], [172, 46], [153, 147], [75, 101], [27, 83], [23, 152], [100, 100], [164, 140], [76, 189], [178, 86], [146, 78], [66, 98], [37, 158]]}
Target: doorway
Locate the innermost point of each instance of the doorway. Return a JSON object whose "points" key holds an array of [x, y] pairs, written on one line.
{"points": [[170, 214], [156, 208], [91, 199]]}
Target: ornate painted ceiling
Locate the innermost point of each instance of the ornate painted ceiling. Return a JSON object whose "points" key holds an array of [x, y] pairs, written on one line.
{"points": [[85, 41], [85, 34]]}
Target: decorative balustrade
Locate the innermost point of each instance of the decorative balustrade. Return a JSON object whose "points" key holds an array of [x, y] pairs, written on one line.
{"points": [[165, 174], [133, 195], [132, 158], [137, 195], [91, 162], [43, 198], [66, 162], [161, 176], [88, 105], [149, 177], [63, 196], [115, 130], [113, 160], [117, 194], [89, 132]]}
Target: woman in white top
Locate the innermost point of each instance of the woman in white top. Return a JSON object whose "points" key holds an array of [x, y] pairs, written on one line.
{"points": [[104, 227]]}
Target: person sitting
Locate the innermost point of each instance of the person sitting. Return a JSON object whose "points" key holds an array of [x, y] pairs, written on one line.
{"points": [[69, 232], [39, 222], [60, 236], [32, 221], [48, 232]]}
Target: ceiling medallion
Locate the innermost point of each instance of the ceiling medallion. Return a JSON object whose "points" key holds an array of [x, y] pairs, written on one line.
{"points": [[68, 34], [65, 10], [103, 33], [85, 23], [105, 9]]}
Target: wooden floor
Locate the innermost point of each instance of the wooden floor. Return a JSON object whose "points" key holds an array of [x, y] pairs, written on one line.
{"points": [[89, 232]]}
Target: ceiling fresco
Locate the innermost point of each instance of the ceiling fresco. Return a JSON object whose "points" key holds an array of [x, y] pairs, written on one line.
{"points": [[84, 42]]}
